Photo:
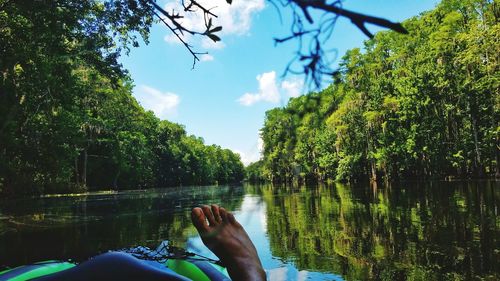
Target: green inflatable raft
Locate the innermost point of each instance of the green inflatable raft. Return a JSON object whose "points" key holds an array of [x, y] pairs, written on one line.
{"points": [[188, 265], [27, 272]]}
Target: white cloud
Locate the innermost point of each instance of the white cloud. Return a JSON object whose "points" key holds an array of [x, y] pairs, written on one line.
{"points": [[293, 87], [245, 159], [206, 57], [235, 19], [260, 145], [248, 158], [252, 155], [162, 104], [248, 99], [170, 38], [269, 90]]}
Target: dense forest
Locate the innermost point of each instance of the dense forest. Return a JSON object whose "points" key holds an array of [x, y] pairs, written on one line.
{"points": [[423, 105], [68, 120]]}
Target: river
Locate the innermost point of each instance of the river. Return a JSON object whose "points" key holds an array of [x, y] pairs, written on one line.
{"points": [[408, 231]]}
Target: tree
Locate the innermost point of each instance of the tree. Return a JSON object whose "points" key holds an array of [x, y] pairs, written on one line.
{"points": [[422, 105], [68, 121]]}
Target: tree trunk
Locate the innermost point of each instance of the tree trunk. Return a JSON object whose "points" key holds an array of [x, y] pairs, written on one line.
{"points": [[478, 170], [84, 168], [115, 180], [497, 149], [373, 171], [77, 172]]}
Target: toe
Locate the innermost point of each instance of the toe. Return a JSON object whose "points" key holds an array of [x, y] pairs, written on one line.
{"points": [[208, 213], [230, 218], [216, 212], [199, 220], [223, 214]]}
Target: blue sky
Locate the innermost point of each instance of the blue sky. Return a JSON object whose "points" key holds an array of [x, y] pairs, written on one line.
{"points": [[224, 99]]}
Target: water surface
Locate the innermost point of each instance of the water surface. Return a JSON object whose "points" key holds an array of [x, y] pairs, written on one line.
{"points": [[433, 231]]}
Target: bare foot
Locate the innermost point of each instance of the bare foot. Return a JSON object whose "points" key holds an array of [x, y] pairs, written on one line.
{"points": [[224, 236]]}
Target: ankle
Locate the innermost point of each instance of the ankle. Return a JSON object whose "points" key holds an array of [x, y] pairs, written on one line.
{"points": [[246, 270]]}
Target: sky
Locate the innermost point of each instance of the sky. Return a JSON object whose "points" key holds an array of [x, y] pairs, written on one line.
{"points": [[225, 97]]}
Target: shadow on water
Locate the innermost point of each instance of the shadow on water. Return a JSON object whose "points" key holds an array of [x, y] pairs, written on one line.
{"points": [[83, 226], [433, 231]]}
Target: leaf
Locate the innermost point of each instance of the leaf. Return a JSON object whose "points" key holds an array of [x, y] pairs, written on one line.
{"points": [[216, 29], [214, 37]]}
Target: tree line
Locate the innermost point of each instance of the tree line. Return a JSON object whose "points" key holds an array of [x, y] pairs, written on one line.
{"points": [[68, 120], [423, 105]]}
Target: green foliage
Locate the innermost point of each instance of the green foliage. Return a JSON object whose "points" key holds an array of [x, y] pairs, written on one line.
{"points": [[68, 121], [419, 105], [254, 172]]}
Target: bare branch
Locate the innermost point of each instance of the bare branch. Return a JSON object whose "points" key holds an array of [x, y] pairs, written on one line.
{"points": [[188, 47], [356, 18], [310, 33], [313, 60], [173, 22], [206, 11]]}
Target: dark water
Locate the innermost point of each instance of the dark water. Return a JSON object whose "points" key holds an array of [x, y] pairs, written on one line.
{"points": [[434, 231]]}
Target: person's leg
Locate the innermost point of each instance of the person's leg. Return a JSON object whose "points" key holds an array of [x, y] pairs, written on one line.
{"points": [[218, 229], [224, 236]]}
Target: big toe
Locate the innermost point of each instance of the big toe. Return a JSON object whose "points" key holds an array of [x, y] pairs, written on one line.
{"points": [[199, 220]]}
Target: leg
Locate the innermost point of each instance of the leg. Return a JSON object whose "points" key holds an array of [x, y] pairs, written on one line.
{"points": [[224, 236]]}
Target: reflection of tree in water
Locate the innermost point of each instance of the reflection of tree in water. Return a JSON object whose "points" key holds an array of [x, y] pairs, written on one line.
{"points": [[80, 227], [446, 231]]}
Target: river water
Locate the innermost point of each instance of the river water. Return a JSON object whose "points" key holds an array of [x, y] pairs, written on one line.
{"points": [[409, 231]]}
